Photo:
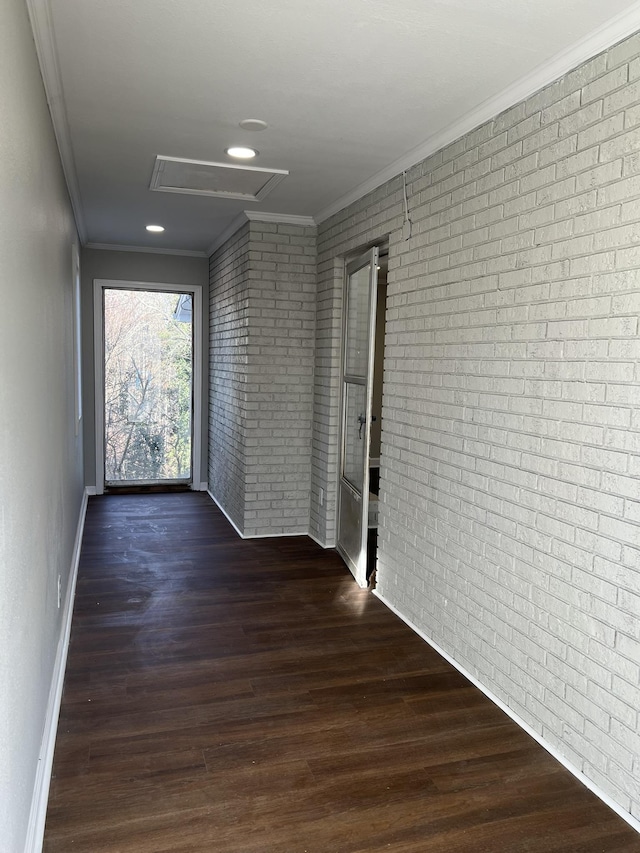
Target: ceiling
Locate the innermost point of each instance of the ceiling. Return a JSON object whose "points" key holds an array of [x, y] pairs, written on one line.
{"points": [[353, 91]]}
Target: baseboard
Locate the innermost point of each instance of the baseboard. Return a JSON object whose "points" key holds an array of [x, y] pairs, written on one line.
{"points": [[275, 535], [226, 514], [91, 491], [319, 542], [252, 535], [38, 814], [579, 775]]}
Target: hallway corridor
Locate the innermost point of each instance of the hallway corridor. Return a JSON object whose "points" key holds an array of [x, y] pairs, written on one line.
{"points": [[247, 697]]}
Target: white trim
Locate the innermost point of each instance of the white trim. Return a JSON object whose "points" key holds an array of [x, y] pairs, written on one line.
{"points": [[318, 542], [91, 491], [610, 33], [99, 284], [346, 491], [201, 487], [77, 335], [196, 380], [98, 386], [281, 218], [46, 49], [588, 783], [275, 535], [156, 185], [613, 31], [152, 250], [253, 535], [258, 216], [226, 514], [38, 813]]}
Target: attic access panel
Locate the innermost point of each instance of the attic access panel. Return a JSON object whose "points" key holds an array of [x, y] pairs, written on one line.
{"points": [[222, 180]]}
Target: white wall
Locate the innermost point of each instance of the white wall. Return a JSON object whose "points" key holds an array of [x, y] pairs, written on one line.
{"points": [[134, 266], [40, 455], [282, 286], [510, 479], [228, 374], [263, 290]]}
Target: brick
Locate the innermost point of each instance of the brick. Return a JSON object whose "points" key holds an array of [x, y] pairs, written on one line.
{"points": [[618, 327], [511, 439], [599, 176], [623, 52], [561, 108], [576, 204], [625, 96], [615, 237], [597, 220], [605, 84], [615, 416], [577, 163], [624, 349], [570, 248], [621, 145], [540, 139], [601, 131], [273, 297], [593, 263]]}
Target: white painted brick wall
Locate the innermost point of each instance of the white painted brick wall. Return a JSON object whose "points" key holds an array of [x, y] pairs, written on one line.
{"points": [[263, 299], [281, 316], [510, 496], [228, 354]]}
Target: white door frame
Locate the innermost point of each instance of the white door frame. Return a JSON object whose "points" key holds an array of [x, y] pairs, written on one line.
{"points": [[349, 501], [99, 286]]}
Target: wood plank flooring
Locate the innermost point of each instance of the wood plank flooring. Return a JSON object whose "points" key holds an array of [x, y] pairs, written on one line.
{"points": [[246, 697]]}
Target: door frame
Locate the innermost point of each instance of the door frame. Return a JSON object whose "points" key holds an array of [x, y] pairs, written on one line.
{"points": [[352, 263], [99, 286]]}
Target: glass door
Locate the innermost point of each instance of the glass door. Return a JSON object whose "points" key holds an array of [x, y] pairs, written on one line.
{"points": [[148, 346], [357, 392]]}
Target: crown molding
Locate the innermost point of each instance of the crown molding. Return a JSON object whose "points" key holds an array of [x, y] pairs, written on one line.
{"points": [[46, 50], [258, 216], [282, 218], [613, 31], [152, 250]]}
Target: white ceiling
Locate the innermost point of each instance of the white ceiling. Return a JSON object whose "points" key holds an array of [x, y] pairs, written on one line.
{"points": [[352, 90]]}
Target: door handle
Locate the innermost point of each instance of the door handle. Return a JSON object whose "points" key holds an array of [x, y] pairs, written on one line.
{"points": [[362, 421]]}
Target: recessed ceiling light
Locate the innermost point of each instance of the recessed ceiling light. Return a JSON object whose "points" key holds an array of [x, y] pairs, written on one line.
{"points": [[253, 124], [155, 228], [241, 152]]}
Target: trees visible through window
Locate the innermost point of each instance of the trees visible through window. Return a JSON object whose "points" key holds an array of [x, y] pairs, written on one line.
{"points": [[148, 360]]}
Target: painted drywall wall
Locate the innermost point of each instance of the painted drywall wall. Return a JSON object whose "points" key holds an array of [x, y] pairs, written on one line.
{"points": [[263, 289], [135, 266], [41, 483], [509, 498]]}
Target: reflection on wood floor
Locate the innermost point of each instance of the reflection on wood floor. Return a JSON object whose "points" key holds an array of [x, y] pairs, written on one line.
{"points": [[247, 697]]}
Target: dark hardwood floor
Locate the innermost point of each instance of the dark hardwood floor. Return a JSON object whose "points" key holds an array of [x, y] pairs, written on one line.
{"points": [[248, 697]]}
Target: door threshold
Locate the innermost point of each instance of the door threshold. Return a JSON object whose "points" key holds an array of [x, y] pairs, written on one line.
{"points": [[151, 488]]}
